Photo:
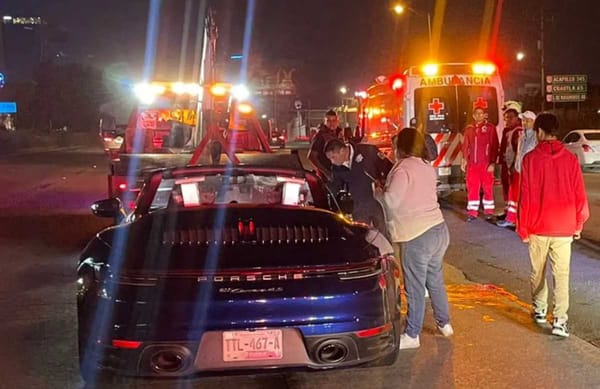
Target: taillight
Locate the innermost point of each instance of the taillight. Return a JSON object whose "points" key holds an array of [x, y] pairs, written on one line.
{"points": [[134, 280], [364, 272], [382, 282], [586, 148], [157, 142], [123, 187], [374, 331], [129, 344]]}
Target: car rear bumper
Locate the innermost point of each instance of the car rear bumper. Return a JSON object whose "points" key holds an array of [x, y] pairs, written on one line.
{"points": [[591, 160], [206, 355]]}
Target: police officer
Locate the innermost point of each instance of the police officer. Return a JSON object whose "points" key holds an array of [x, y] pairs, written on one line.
{"points": [[359, 166]]}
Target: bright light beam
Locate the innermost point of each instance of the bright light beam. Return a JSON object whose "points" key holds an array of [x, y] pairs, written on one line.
{"points": [[247, 39], [104, 313]]}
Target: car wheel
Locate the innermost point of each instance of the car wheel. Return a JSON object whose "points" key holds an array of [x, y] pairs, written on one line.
{"points": [[388, 360]]}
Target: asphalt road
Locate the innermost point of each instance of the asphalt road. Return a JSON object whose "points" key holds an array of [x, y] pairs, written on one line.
{"points": [[45, 221]]}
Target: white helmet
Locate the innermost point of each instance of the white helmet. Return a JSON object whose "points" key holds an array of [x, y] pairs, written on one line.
{"points": [[516, 105]]}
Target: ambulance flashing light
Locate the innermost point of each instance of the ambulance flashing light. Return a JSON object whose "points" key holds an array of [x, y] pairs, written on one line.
{"points": [[397, 84], [431, 69], [486, 68]]}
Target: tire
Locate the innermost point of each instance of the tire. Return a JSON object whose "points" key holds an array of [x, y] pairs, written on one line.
{"points": [[388, 360], [94, 376]]}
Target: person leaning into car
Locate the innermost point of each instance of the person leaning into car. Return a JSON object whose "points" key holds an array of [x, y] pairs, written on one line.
{"points": [[357, 166], [415, 222]]}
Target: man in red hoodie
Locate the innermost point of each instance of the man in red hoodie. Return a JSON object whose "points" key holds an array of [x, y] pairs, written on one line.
{"points": [[480, 150], [552, 210]]}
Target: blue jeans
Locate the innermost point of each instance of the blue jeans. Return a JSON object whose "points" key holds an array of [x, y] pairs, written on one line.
{"points": [[422, 260]]}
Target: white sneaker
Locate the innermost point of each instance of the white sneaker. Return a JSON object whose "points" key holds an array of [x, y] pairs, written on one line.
{"points": [[446, 330], [406, 342], [426, 293], [559, 328]]}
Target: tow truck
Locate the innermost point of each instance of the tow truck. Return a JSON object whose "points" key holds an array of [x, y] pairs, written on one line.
{"points": [[164, 131], [178, 123]]}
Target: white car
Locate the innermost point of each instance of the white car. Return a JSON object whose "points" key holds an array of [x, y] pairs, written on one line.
{"points": [[585, 144]]}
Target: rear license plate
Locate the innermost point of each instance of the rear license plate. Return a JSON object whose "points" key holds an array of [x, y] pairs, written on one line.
{"points": [[252, 345], [444, 171]]}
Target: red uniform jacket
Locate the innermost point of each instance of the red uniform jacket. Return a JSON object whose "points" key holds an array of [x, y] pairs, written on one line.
{"points": [[553, 199], [480, 144]]}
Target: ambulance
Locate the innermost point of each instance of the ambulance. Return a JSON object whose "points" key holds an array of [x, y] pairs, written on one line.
{"points": [[441, 98]]}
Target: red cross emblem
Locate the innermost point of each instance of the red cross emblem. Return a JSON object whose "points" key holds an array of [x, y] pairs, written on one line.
{"points": [[436, 106], [480, 103]]}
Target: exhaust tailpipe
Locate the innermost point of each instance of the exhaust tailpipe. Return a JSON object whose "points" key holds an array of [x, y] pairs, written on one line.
{"points": [[169, 361], [331, 352]]}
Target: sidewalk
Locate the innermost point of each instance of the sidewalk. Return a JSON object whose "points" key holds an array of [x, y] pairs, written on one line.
{"points": [[22, 142]]}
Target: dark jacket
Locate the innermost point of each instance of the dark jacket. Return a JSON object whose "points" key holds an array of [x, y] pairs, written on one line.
{"points": [[318, 145], [368, 163]]}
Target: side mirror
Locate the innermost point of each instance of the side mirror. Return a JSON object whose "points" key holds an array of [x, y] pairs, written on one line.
{"points": [[345, 202], [107, 208]]}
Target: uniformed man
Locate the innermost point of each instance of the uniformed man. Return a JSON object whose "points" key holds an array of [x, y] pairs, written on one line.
{"points": [[480, 150], [358, 167]]}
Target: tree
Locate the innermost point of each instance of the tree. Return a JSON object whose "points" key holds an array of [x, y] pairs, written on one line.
{"points": [[67, 95]]}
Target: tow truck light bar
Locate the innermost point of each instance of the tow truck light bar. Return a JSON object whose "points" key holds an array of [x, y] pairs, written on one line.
{"points": [[148, 91], [240, 92], [244, 108]]}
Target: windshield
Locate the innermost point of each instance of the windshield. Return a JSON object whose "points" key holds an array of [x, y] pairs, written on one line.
{"points": [[253, 189], [449, 108], [592, 135]]}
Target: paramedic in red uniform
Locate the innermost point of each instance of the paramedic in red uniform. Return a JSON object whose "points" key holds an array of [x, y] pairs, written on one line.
{"points": [[507, 153], [517, 139], [480, 150]]}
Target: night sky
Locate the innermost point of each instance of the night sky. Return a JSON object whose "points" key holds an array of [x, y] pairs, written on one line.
{"points": [[329, 42]]}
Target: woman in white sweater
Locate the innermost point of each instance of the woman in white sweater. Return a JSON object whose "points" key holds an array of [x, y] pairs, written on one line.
{"points": [[415, 222]]}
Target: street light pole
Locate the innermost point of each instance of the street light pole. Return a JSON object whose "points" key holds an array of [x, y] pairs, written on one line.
{"points": [[399, 9], [343, 91]]}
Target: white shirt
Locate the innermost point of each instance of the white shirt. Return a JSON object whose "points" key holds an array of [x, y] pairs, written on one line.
{"points": [[348, 163]]}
